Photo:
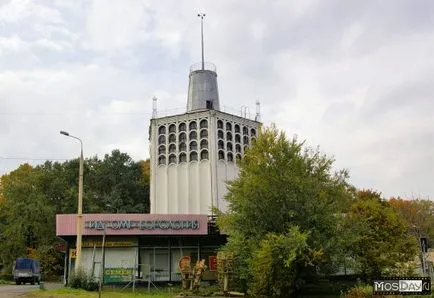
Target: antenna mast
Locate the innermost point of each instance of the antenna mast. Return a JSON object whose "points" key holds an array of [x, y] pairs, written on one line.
{"points": [[154, 107], [201, 16], [258, 111]]}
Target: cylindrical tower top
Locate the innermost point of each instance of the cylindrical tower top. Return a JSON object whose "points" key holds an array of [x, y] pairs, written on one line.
{"points": [[202, 88]]}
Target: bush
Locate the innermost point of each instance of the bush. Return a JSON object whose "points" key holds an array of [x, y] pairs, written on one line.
{"points": [[82, 280], [361, 291]]}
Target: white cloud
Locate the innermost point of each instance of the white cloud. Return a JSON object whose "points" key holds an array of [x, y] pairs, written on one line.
{"points": [[352, 77]]}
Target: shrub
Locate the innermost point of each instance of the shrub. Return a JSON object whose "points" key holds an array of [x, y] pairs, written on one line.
{"points": [[360, 291], [82, 280]]}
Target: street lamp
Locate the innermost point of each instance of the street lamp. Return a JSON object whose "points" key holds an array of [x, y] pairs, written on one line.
{"points": [[80, 204]]}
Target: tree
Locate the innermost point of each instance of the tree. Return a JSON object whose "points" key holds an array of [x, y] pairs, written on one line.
{"points": [[118, 184], [380, 242], [282, 187], [113, 184], [27, 217], [419, 215], [31, 196]]}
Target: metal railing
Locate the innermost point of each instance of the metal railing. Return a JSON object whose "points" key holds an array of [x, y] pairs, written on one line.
{"points": [[206, 66]]}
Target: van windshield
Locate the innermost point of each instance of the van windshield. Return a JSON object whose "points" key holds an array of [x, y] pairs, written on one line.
{"points": [[23, 264]]}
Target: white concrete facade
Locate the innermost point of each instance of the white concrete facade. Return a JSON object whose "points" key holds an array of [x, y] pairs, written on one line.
{"points": [[192, 156]]}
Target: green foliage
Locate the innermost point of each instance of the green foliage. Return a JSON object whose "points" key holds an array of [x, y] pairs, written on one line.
{"points": [[419, 216], [273, 265], [51, 261], [380, 242], [30, 197], [282, 184], [361, 291], [27, 216], [82, 280]]}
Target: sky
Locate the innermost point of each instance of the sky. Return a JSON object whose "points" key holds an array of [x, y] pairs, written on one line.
{"points": [[355, 78]]}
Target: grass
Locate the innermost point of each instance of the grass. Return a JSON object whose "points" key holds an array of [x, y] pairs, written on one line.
{"points": [[107, 293]]}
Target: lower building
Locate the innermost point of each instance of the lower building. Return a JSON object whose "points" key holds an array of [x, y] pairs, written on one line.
{"points": [[143, 247]]}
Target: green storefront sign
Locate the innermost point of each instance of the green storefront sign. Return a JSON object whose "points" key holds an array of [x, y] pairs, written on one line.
{"points": [[115, 275]]}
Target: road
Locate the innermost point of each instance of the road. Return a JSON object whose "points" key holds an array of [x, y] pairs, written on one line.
{"points": [[9, 291]]}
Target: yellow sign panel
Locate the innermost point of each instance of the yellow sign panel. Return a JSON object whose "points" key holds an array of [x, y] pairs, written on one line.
{"points": [[72, 253], [108, 244]]}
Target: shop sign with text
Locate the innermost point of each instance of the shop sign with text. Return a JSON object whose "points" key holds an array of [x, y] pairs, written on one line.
{"points": [[143, 224], [115, 275], [133, 224]]}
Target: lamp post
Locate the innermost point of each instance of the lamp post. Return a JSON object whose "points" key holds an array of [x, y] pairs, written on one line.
{"points": [[80, 204]]}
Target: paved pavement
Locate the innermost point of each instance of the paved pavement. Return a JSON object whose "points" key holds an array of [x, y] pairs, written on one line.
{"points": [[12, 290]]}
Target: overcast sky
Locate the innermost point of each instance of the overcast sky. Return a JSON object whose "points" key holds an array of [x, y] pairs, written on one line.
{"points": [[353, 77]]}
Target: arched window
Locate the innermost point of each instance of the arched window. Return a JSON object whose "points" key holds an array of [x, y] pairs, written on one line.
{"points": [[220, 134], [237, 138], [221, 144], [162, 130], [238, 157], [204, 155], [182, 137], [172, 158], [245, 140], [204, 123], [162, 160], [161, 140], [162, 149], [237, 128], [238, 148], [172, 148], [182, 147], [229, 146], [172, 138], [182, 127], [245, 131], [220, 124], [221, 155], [204, 144], [172, 128], [193, 156], [203, 133], [228, 126], [230, 157], [192, 125], [193, 145], [253, 132], [228, 136], [182, 157], [193, 135]]}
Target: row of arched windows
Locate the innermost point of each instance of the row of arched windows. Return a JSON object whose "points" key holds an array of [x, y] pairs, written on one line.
{"points": [[182, 147], [236, 128], [229, 156], [229, 137], [182, 127], [229, 146], [182, 157], [182, 137]]}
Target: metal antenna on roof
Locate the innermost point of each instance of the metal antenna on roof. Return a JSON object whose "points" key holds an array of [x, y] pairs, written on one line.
{"points": [[154, 107], [201, 16], [258, 111]]}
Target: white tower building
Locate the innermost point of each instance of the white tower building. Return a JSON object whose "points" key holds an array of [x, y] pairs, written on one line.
{"points": [[195, 153]]}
